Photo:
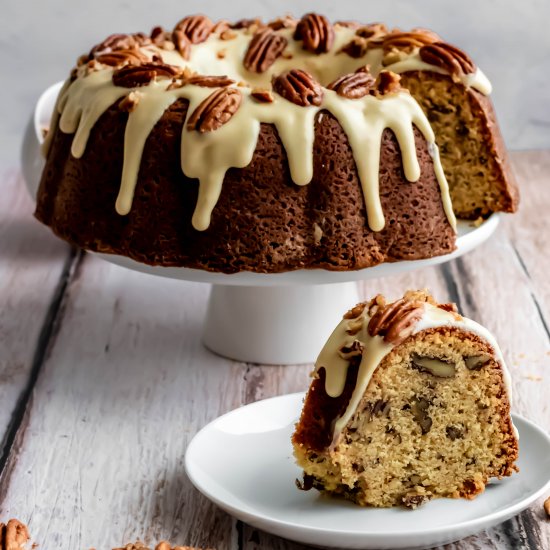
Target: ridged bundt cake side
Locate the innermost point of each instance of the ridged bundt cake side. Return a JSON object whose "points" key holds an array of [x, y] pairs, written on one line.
{"points": [[410, 401]]}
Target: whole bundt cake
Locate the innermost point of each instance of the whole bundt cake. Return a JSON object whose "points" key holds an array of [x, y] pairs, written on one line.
{"points": [[296, 144], [410, 401]]}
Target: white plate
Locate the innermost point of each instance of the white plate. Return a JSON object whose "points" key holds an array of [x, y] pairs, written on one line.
{"points": [[243, 462], [469, 237]]}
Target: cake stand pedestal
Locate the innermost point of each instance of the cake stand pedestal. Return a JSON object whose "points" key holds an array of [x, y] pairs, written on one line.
{"points": [[282, 318], [274, 325]]}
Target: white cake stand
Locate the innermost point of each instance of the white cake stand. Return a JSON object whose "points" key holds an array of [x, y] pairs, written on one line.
{"points": [[260, 318]]}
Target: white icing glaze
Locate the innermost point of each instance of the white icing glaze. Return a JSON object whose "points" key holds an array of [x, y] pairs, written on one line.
{"points": [[375, 349], [207, 156]]}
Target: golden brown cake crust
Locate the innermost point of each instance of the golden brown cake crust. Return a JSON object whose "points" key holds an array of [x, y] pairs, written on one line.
{"points": [[263, 221]]}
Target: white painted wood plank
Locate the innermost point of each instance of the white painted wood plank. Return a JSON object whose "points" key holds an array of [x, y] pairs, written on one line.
{"points": [[31, 263], [125, 386]]}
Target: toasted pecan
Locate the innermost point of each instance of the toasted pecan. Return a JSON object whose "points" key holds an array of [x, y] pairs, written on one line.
{"points": [[120, 42], [118, 58], [13, 535], [353, 85], [447, 57], [208, 81], [395, 321], [316, 33], [264, 49], [132, 76], [298, 87], [215, 110]]}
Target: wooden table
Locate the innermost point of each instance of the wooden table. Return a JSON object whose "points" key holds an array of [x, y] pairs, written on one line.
{"points": [[103, 379]]}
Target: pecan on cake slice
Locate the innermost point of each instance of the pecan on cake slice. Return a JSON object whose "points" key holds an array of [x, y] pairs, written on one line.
{"points": [[396, 321]]}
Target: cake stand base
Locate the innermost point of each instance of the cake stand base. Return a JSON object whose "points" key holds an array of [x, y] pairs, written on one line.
{"points": [[274, 325]]}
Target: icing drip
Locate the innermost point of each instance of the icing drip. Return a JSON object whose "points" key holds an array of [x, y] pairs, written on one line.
{"points": [[375, 349], [207, 156]]}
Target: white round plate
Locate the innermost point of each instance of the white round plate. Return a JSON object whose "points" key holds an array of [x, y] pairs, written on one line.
{"points": [[469, 237], [243, 462]]}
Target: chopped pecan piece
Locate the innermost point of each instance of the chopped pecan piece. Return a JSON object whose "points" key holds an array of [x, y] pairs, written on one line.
{"points": [[132, 76], [130, 102], [13, 535], [247, 23], [261, 95], [122, 57], [228, 34], [354, 85], [121, 42], [264, 49], [347, 24], [476, 362], [298, 87], [354, 350], [215, 110], [357, 47], [447, 57], [396, 321], [221, 26], [306, 484], [374, 29], [387, 83], [434, 366], [286, 22], [414, 499], [547, 506], [419, 409], [316, 32], [355, 311], [209, 81]]}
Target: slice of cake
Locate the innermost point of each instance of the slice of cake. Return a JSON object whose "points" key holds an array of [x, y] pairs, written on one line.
{"points": [[410, 401]]}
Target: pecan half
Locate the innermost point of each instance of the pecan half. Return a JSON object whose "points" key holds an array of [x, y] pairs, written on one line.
{"points": [[316, 32], [387, 83], [196, 28], [132, 76], [221, 26], [207, 81], [264, 49], [13, 535], [447, 57], [354, 85], [122, 57], [396, 321], [215, 110], [298, 87], [121, 42], [405, 40], [181, 43]]}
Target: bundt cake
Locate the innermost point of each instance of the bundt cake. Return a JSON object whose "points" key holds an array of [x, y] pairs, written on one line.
{"points": [[271, 147], [410, 401]]}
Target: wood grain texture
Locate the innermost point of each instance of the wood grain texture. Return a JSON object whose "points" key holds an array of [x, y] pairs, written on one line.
{"points": [[98, 458], [32, 262]]}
